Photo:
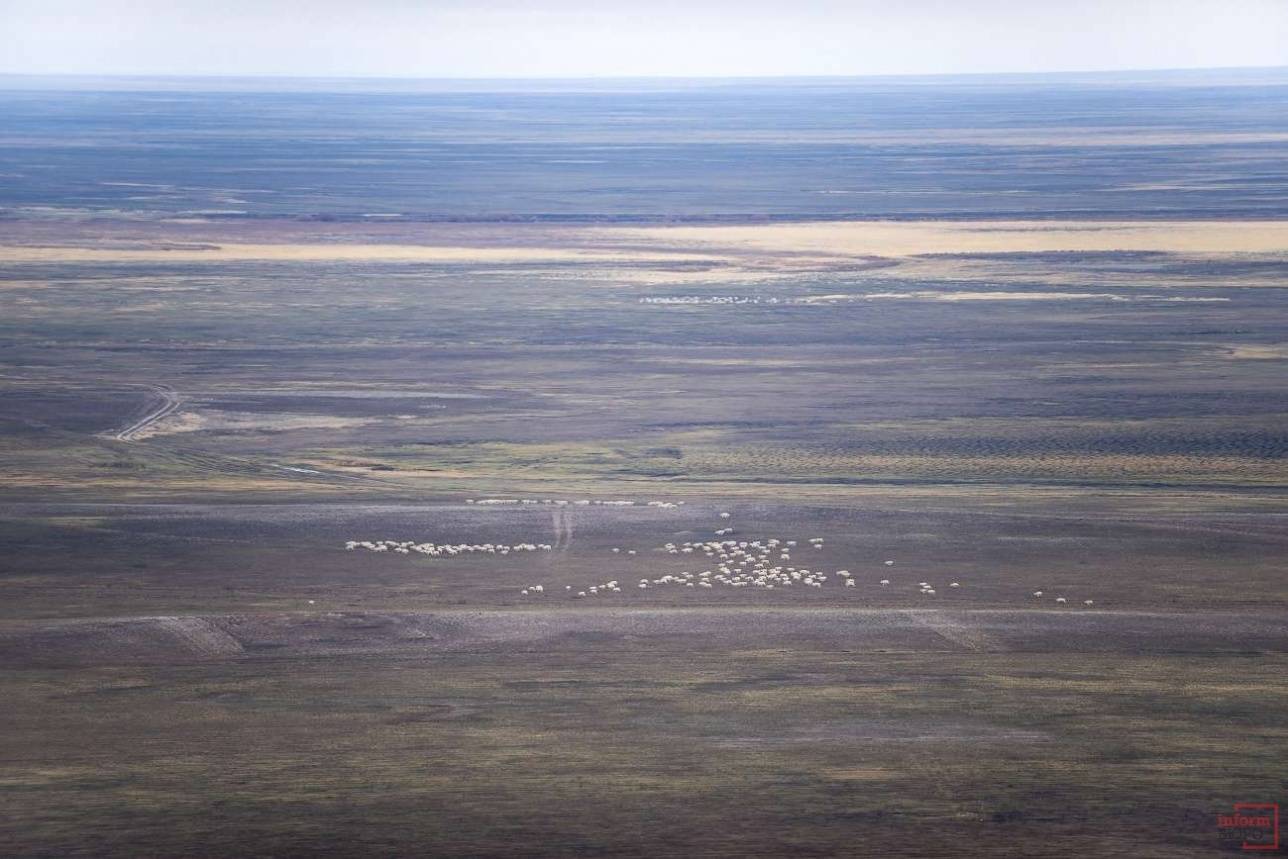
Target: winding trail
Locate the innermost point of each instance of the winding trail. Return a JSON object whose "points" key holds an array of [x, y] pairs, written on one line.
{"points": [[170, 401], [195, 458]]}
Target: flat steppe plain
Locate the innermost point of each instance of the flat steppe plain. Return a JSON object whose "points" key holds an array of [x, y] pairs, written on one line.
{"points": [[195, 417]]}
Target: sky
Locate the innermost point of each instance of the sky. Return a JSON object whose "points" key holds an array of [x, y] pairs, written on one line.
{"points": [[633, 38]]}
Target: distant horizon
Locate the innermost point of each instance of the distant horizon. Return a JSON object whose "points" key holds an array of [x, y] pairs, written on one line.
{"points": [[1239, 74]]}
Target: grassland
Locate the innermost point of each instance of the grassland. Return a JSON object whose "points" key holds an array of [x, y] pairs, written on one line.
{"points": [[579, 749], [196, 663]]}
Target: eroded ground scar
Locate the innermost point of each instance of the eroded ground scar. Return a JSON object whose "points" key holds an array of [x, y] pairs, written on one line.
{"points": [[953, 631]]}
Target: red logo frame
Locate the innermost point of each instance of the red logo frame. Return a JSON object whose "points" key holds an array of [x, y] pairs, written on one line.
{"points": [[1253, 815]]}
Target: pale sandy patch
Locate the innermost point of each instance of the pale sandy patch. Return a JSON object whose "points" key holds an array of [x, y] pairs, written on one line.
{"points": [[221, 421], [1271, 352], [907, 238], [681, 254], [175, 423]]}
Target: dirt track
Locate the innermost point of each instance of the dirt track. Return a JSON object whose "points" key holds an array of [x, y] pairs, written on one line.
{"points": [[166, 640], [170, 400]]}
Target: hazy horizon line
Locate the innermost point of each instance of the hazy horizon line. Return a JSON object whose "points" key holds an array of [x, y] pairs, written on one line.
{"points": [[9, 77]]}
